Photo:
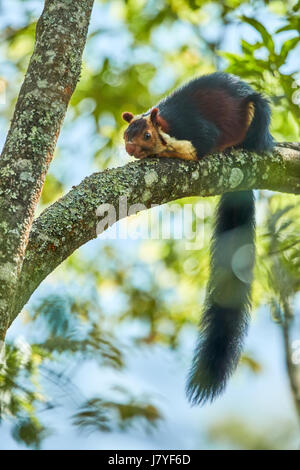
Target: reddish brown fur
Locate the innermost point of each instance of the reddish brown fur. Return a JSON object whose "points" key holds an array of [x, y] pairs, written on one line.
{"points": [[231, 115], [163, 124]]}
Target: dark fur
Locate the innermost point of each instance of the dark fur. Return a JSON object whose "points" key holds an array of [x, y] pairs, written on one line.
{"points": [[225, 318], [135, 128], [209, 124]]}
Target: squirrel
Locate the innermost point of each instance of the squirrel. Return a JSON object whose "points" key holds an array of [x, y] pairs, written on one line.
{"points": [[213, 113]]}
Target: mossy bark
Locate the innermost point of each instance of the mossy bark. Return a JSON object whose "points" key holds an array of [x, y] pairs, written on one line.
{"points": [[51, 78], [72, 220]]}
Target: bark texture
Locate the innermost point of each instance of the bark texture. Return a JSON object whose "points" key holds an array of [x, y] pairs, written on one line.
{"points": [[51, 78], [72, 220]]}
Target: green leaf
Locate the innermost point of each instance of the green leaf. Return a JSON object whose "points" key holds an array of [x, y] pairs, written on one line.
{"points": [[248, 48], [288, 46], [293, 24], [267, 38]]}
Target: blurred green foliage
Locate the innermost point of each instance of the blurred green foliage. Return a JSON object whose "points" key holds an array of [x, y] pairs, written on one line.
{"points": [[136, 52], [242, 436]]}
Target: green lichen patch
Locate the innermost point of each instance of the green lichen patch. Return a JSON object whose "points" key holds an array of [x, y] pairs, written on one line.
{"points": [[7, 272], [151, 177], [236, 177]]}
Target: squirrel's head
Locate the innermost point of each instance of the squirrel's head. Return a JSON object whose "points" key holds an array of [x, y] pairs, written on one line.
{"points": [[142, 137]]}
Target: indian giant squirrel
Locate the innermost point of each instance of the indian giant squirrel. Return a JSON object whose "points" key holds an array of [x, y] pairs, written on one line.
{"points": [[209, 114]]}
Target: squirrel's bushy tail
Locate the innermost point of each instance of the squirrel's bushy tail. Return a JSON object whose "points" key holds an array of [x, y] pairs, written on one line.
{"points": [[224, 321], [225, 318], [258, 137]]}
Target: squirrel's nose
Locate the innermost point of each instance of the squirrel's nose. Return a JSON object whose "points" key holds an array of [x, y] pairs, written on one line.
{"points": [[130, 148]]}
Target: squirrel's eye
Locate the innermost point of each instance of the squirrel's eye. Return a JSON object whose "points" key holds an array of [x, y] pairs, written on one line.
{"points": [[147, 136]]}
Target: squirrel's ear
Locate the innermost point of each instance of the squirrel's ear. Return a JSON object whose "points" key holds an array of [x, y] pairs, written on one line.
{"points": [[153, 115], [127, 117]]}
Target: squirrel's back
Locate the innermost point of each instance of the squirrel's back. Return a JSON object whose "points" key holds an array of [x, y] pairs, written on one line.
{"points": [[218, 111]]}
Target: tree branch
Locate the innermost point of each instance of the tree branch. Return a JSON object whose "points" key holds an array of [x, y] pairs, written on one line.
{"points": [[52, 75], [71, 221]]}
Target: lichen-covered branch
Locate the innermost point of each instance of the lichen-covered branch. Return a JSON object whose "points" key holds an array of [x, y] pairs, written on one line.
{"points": [[50, 80], [71, 221]]}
